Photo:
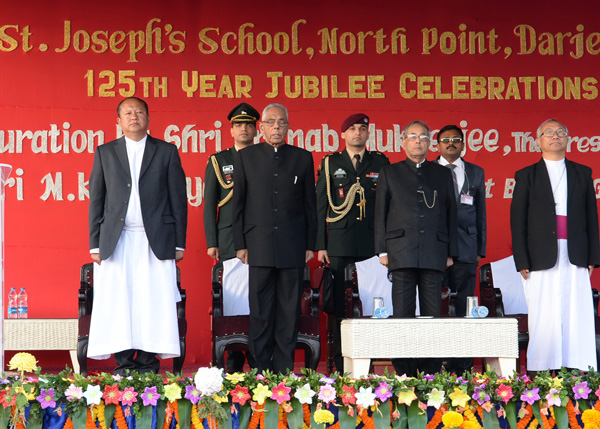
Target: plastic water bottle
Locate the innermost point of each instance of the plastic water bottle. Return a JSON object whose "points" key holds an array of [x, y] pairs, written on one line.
{"points": [[22, 304], [12, 304]]}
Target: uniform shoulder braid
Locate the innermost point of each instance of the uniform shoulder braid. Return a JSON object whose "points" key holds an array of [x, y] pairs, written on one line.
{"points": [[224, 185], [320, 167], [343, 209]]}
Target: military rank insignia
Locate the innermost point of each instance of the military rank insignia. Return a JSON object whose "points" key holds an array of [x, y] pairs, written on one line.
{"points": [[340, 174], [228, 172]]}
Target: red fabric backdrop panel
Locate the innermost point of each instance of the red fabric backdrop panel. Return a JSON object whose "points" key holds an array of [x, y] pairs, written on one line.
{"points": [[497, 70]]}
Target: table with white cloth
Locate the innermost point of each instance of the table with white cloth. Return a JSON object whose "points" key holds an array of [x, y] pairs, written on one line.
{"points": [[494, 339]]}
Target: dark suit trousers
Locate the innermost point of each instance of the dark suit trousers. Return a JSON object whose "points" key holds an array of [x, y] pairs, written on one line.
{"points": [[142, 363], [404, 296], [236, 359], [460, 277], [274, 295], [338, 265]]}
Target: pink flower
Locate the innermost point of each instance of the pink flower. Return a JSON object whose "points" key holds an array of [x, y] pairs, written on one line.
{"points": [[327, 393], [487, 406], [505, 393], [128, 396], [553, 398], [281, 393], [383, 391]]}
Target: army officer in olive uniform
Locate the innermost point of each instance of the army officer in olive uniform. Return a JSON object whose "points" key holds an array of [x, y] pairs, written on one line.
{"points": [[218, 184], [218, 188], [346, 186]]}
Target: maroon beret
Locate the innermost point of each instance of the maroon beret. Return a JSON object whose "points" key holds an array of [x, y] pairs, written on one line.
{"points": [[357, 118]]}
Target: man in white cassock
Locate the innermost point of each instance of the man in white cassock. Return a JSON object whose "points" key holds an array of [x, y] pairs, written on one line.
{"points": [[137, 222], [554, 224]]}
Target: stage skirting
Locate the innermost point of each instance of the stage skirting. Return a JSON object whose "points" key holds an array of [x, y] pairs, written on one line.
{"points": [[212, 399]]}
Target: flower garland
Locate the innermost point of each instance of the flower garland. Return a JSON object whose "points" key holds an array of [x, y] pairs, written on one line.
{"points": [[525, 419], [471, 395], [367, 420], [282, 422], [196, 421], [68, 423], [168, 417], [19, 423], [548, 423], [99, 413], [471, 416], [120, 417], [175, 407], [436, 419], [258, 417], [89, 421], [305, 415], [573, 423]]}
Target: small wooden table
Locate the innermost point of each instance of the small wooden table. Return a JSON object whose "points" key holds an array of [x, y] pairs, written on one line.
{"points": [[42, 334], [495, 339]]}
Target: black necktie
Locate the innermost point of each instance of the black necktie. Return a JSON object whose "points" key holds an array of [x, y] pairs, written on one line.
{"points": [[456, 190], [357, 162]]}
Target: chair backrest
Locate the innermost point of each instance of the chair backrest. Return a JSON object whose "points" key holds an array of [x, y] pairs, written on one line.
{"points": [[310, 296], [489, 296], [509, 281], [375, 281], [309, 301]]}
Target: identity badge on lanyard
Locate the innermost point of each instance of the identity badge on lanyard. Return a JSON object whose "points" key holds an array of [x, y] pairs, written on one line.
{"points": [[466, 199]]}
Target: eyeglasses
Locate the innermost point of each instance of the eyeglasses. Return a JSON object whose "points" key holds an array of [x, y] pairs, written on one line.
{"points": [[272, 122], [414, 137], [451, 140], [550, 133]]}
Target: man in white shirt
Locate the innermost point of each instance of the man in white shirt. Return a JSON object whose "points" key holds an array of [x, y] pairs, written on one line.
{"points": [[469, 188], [137, 223]]}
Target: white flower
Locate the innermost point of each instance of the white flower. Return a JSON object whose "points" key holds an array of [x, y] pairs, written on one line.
{"points": [[74, 393], [365, 397], [305, 394], [93, 395], [209, 381], [435, 398]]}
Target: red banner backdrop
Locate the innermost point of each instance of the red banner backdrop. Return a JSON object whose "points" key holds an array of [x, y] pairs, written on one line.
{"points": [[496, 70]]}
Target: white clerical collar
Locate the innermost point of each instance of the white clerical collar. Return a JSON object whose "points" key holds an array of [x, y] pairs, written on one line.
{"points": [[133, 142], [554, 162]]}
